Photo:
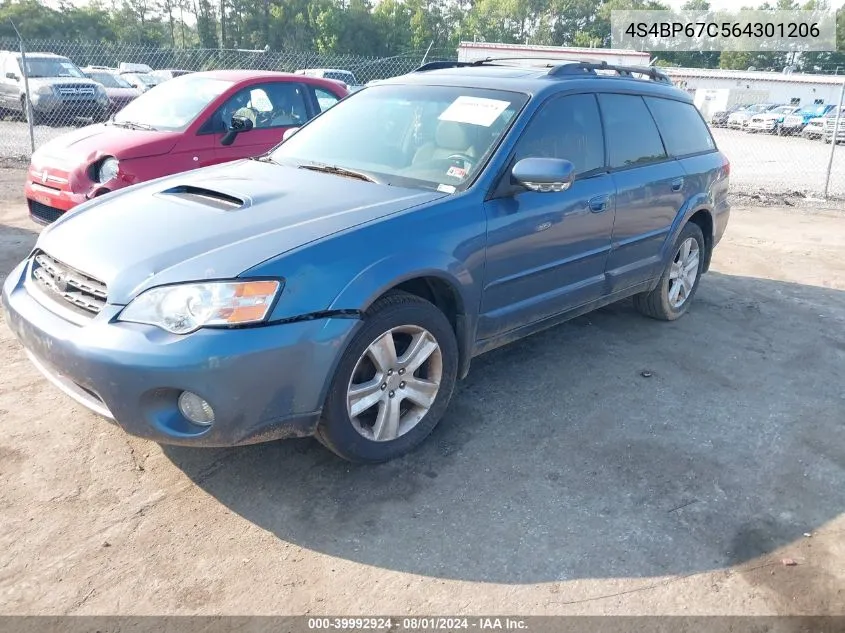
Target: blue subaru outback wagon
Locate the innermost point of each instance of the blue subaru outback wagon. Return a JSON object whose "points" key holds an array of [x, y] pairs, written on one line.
{"points": [[339, 285]]}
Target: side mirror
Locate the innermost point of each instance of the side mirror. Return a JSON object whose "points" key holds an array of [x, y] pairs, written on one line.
{"points": [[544, 174], [289, 132], [239, 124], [12, 76]]}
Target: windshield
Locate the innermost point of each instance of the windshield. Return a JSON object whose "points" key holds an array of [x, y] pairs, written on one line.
{"points": [[144, 78], [815, 110], [434, 137], [109, 80], [784, 110], [177, 106], [51, 67]]}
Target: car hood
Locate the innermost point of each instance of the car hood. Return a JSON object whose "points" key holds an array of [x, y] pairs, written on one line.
{"points": [[86, 144], [37, 82], [178, 229]]}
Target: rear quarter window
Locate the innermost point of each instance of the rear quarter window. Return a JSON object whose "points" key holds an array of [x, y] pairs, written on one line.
{"points": [[632, 137], [684, 131]]}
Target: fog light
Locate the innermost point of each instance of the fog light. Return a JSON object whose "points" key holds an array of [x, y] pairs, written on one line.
{"points": [[196, 409]]}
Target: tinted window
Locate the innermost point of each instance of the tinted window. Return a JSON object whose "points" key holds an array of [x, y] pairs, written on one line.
{"points": [[632, 136], [567, 128], [683, 129]]}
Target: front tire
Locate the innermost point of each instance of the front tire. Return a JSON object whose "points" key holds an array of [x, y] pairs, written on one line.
{"points": [[673, 295], [393, 382]]}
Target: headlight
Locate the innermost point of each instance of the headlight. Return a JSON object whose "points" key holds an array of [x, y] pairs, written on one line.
{"points": [[102, 97], [108, 170], [44, 90], [185, 308]]}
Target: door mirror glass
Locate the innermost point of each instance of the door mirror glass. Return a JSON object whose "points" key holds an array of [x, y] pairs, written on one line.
{"points": [[289, 132], [544, 174], [12, 76]]}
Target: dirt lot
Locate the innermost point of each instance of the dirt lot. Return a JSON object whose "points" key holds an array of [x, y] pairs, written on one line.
{"points": [[561, 481]]}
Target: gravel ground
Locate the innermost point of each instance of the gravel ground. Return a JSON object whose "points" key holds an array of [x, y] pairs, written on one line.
{"points": [[562, 481], [759, 162]]}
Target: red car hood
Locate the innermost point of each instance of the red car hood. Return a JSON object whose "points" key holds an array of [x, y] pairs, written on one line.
{"points": [[90, 142]]}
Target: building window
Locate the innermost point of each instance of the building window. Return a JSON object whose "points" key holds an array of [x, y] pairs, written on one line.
{"points": [[794, 101], [818, 102]]}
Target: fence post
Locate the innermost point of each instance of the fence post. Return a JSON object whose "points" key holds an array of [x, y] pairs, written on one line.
{"points": [[26, 90], [836, 123]]}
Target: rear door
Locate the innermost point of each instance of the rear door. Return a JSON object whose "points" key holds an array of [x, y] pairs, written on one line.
{"points": [[650, 189], [273, 107], [546, 252]]}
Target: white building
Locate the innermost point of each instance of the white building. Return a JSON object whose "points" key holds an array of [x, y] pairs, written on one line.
{"points": [[787, 88], [472, 51]]}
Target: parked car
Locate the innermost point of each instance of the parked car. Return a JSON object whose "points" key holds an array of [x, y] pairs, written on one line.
{"points": [[739, 120], [59, 92], [720, 118], [141, 81], [169, 73], [796, 122], [829, 125], [770, 120], [167, 131], [341, 283], [814, 129], [347, 77], [119, 91]]}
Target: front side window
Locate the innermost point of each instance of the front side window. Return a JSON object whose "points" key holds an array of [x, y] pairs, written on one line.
{"points": [[433, 137], [280, 104], [632, 136], [175, 108], [50, 67], [567, 128], [683, 129]]}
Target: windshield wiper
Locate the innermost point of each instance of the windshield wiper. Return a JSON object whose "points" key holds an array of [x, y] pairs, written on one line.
{"points": [[340, 171], [133, 126]]}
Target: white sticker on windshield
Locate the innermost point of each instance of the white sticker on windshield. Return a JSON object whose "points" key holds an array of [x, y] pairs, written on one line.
{"points": [[474, 110], [445, 188]]}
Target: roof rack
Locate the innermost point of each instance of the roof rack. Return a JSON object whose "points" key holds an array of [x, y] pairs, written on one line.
{"points": [[590, 68], [558, 70]]}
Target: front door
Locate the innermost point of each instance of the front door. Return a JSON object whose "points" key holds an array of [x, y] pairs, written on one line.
{"points": [[546, 252], [273, 108]]}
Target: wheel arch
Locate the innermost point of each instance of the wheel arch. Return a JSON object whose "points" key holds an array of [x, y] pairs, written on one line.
{"points": [[699, 211], [435, 277]]}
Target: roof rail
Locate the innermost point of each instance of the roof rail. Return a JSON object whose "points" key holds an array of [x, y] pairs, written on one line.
{"points": [[494, 61], [590, 68]]}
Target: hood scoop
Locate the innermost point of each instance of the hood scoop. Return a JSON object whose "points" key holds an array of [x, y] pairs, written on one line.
{"points": [[206, 197]]}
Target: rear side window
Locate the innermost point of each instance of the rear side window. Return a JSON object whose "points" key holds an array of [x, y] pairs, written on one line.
{"points": [[632, 136], [682, 127]]}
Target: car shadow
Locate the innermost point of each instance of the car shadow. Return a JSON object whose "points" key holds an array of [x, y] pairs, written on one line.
{"points": [[610, 446]]}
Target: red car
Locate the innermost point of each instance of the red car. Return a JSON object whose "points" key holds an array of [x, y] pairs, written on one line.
{"points": [[180, 125]]}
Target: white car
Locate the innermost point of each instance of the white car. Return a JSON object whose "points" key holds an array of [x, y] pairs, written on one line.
{"points": [[770, 120], [739, 119], [814, 128]]}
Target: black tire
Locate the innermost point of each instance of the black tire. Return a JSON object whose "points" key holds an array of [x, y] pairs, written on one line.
{"points": [[656, 304], [336, 430], [37, 119]]}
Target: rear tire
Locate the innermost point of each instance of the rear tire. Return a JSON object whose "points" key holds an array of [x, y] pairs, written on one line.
{"points": [[674, 293], [393, 382]]}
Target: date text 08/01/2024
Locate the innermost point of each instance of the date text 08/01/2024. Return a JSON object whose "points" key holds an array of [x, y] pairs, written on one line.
{"points": [[416, 624], [724, 29]]}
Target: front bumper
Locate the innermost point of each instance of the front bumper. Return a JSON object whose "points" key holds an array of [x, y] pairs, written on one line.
{"points": [[264, 383], [50, 191], [762, 126]]}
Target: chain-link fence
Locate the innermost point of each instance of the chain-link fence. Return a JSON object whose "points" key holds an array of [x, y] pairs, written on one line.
{"points": [[776, 128]]}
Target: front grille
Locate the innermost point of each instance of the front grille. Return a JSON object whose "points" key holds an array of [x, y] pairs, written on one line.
{"points": [[68, 285], [42, 213], [76, 91]]}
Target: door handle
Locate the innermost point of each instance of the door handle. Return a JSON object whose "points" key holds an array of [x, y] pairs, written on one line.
{"points": [[598, 203], [677, 184]]}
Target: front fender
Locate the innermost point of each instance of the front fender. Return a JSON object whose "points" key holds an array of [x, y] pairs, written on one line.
{"points": [[391, 271]]}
